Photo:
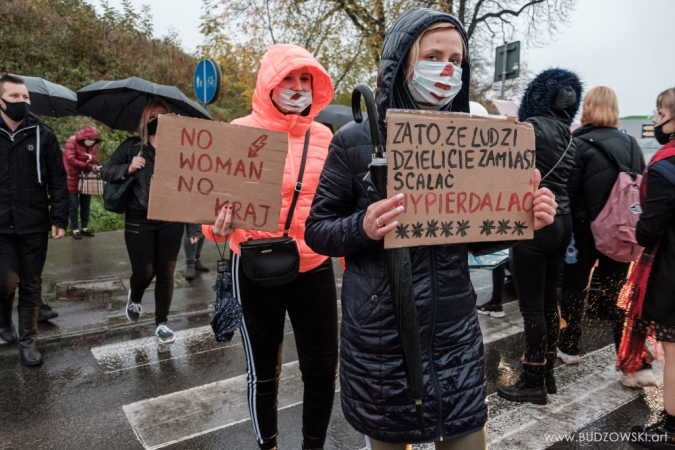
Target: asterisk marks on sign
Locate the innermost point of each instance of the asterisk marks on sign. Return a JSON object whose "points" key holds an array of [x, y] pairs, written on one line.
{"points": [[402, 231], [519, 227], [487, 227], [446, 228], [432, 228], [417, 229], [503, 227], [462, 226]]}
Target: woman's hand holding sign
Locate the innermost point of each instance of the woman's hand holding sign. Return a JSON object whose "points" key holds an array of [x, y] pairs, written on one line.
{"points": [[379, 219], [544, 204], [223, 225]]}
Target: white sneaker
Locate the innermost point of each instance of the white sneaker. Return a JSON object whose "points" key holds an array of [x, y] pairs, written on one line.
{"points": [[569, 359], [641, 378], [165, 334]]}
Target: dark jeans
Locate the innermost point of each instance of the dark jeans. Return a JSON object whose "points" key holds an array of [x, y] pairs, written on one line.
{"points": [[153, 248], [192, 251], [83, 202], [22, 258], [311, 304], [536, 267], [611, 276], [498, 278]]}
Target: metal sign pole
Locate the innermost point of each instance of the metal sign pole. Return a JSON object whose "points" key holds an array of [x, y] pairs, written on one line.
{"points": [[506, 50]]}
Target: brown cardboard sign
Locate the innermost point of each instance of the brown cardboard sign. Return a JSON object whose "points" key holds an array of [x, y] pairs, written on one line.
{"points": [[465, 178], [202, 165]]}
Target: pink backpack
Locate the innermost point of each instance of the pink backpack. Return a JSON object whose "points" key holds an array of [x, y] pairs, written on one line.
{"points": [[614, 228]]}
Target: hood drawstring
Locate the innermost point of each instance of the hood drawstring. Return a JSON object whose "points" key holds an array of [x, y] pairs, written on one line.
{"points": [[37, 155]]}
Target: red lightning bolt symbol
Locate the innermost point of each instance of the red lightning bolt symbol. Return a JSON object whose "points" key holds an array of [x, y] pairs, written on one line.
{"points": [[257, 145]]}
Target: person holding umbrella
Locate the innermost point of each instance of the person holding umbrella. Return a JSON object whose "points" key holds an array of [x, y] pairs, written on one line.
{"points": [[80, 156], [33, 200], [152, 245], [291, 89], [422, 49]]}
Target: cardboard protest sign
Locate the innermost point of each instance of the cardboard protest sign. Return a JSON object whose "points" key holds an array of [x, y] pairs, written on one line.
{"points": [[465, 178], [202, 165]]}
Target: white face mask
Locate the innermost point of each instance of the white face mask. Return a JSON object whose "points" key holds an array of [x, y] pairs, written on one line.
{"points": [[291, 100], [435, 84], [89, 142]]}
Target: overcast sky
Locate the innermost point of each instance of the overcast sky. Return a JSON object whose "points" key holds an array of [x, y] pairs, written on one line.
{"points": [[623, 44]]}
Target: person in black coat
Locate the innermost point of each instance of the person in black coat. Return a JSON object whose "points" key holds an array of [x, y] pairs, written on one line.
{"points": [[592, 181], [153, 245], [347, 220], [550, 103], [33, 200], [651, 311]]}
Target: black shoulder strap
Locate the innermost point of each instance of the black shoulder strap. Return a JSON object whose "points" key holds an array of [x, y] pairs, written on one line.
{"points": [[666, 169], [609, 155], [298, 185]]}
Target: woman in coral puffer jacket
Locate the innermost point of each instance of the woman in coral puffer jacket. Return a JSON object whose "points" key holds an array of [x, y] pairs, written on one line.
{"points": [[292, 88]]}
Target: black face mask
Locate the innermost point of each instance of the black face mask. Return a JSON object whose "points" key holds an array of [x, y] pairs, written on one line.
{"points": [[661, 137], [16, 111], [152, 127]]}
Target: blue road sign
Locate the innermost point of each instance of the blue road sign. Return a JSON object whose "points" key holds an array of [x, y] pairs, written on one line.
{"points": [[207, 81]]}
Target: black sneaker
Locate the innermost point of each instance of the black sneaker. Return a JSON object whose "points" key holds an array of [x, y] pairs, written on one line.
{"points": [[490, 309], [77, 235], [46, 313], [165, 334], [133, 310], [87, 233]]}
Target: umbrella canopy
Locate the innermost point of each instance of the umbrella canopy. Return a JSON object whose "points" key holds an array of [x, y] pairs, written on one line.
{"points": [[50, 99], [399, 267], [119, 104], [335, 115]]}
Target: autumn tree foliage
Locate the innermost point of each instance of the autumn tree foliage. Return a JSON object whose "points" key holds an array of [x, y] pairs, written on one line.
{"points": [[347, 35]]}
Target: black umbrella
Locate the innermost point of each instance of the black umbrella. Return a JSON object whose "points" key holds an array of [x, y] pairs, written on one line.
{"points": [[50, 99], [335, 115], [119, 104], [399, 267], [227, 316]]}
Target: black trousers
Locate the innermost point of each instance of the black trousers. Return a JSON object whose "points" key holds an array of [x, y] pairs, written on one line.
{"points": [[153, 248], [22, 258], [536, 267], [311, 304], [82, 202], [611, 276], [498, 279]]}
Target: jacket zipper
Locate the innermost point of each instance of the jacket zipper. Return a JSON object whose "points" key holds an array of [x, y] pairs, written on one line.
{"points": [[432, 369], [11, 135]]}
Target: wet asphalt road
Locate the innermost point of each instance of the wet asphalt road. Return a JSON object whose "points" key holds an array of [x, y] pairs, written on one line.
{"points": [[102, 377]]}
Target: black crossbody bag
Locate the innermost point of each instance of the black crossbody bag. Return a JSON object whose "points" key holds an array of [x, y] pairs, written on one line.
{"points": [[275, 261]]}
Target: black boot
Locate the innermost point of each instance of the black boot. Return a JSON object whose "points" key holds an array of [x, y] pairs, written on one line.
{"points": [[190, 272], [30, 356], [7, 332], [549, 379], [658, 436], [199, 266], [304, 447], [529, 388], [46, 313]]}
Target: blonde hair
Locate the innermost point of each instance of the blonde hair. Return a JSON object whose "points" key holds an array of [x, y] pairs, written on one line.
{"points": [[414, 52], [666, 99], [601, 108], [143, 124]]}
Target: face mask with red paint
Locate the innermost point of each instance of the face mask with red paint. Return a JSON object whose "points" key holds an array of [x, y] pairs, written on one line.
{"points": [[290, 100], [435, 84]]}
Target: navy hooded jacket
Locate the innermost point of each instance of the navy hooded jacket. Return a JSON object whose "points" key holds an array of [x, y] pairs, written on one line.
{"points": [[375, 397]]}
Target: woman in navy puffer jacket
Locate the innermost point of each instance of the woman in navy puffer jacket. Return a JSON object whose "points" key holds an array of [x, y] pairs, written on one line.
{"points": [[346, 220]]}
